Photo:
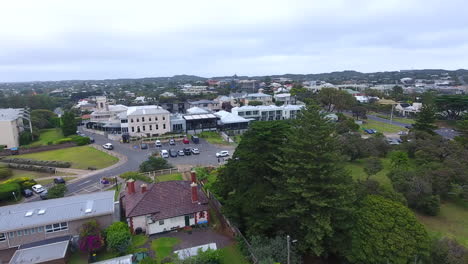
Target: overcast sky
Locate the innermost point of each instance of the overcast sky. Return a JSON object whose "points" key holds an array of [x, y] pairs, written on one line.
{"points": [[59, 40]]}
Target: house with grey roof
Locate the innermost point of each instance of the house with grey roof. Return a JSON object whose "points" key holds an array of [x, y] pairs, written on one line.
{"points": [[210, 105], [37, 224]]}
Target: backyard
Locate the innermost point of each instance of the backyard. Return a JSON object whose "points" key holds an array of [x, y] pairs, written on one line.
{"points": [[169, 177], [82, 157], [381, 127], [356, 168]]}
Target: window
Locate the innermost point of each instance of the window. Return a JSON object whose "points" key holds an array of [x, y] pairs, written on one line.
{"points": [[161, 222], [138, 129], [131, 120], [248, 113], [11, 234], [164, 126], [56, 227], [40, 229], [241, 113], [19, 233], [157, 127], [33, 230], [138, 119], [123, 121], [26, 232], [156, 118], [143, 119], [144, 128], [151, 127], [255, 112], [191, 216], [164, 118], [2, 237], [133, 129], [149, 119]]}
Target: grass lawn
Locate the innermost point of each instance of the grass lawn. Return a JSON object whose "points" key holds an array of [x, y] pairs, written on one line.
{"points": [[169, 177], [34, 174], [163, 246], [213, 137], [381, 127], [452, 222], [356, 169], [232, 255], [403, 120], [78, 258], [47, 135], [49, 181], [80, 157]]}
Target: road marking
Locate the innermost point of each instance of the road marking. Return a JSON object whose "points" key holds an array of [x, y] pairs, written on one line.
{"points": [[84, 183]]}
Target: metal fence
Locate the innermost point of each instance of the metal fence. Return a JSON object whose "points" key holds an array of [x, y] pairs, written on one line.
{"points": [[154, 174]]}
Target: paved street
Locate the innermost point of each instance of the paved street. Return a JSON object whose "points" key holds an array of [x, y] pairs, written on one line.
{"points": [[136, 156]]}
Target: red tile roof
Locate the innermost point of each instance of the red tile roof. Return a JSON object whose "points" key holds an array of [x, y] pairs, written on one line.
{"points": [[163, 200]]}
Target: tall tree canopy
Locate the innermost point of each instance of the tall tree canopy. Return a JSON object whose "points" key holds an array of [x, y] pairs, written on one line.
{"points": [[68, 124], [425, 119], [387, 232]]}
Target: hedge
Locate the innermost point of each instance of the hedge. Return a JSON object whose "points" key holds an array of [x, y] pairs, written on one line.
{"points": [[31, 167], [63, 140], [136, 176], [5, 172], [24, 182], [81, 141], [7, 189], [48, 163]]}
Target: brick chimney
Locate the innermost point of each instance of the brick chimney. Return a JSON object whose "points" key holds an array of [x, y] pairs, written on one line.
{"points": [[193, 174], [194, 188], [144, 188], [131, 186]]}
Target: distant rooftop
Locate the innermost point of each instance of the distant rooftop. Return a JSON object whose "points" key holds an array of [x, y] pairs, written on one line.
{"points": [[65, 209], [8, 114]]}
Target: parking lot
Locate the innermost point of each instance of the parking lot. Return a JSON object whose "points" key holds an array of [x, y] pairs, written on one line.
{"points": [[207, 154]]}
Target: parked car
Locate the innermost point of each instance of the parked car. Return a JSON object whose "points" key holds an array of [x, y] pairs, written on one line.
{"points": [[108, 146], [185, 141], [27, 193], [187, 151], [195, 139], [59, 180], [402, 133], [370, 131], [171, 141], [44, 195], [164, 153], [181, 152], [38, 188], [173, 153], [144, 146], [195, 151], [223, 153], [91, 139], [158, 143], [409, 126]]}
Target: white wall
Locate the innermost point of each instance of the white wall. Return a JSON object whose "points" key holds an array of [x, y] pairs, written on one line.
{"points": [[162, 119], [9, 133], [175, 222]]}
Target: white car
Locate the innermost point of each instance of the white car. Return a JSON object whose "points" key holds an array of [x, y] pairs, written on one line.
{"points": [[38, 188], [223, 153], [108, 146], [158, 143], [195, 151], [164, 153]]}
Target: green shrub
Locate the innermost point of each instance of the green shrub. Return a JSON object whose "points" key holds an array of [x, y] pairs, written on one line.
{"points": [[7, 189], [24, 182], [50, 143], [136, 176], [64, 140], [57, 191], [31, 167], [48, 163], [5, 172], [81, 141], [118, 237]]}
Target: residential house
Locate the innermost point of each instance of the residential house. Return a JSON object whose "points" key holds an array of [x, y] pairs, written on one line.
{"points": [[265, 99], [163, 206], [231, 122], [11, 125], [34, 224], [405, 109], [249, 86], [285, 98], [167, 94], [147, 121]]}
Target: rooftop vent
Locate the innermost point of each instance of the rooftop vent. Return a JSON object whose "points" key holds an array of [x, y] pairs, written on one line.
{"points": [[89, 207], [29, 213], [41, 212]]}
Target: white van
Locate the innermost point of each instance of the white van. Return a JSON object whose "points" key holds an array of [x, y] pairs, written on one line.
{"points": [[164, 153]]}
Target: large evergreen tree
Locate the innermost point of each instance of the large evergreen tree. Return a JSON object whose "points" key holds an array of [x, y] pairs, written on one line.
{"points": [[68, 124], [425, 119], [314, 193]]}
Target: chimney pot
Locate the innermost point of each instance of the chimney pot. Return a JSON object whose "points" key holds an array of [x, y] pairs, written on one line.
{"points": [[131, 186], [194, 188], [144, 188], [193, 174]]}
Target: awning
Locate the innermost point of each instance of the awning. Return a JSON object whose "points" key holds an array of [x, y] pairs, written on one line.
{"points": [[42, 251]]}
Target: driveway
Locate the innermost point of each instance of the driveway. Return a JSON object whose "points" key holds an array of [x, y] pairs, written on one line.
{"points": [[199, 236]]}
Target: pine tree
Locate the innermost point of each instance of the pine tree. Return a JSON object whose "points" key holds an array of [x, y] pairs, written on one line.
{"points": [[314, 194], [425, 119], [68, 124]]}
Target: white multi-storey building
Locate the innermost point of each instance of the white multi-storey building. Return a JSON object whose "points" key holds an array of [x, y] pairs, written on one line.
{"points": [[11, 125], [268, 113]]}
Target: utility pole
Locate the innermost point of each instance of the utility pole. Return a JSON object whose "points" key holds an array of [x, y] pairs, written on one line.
{"points": [[288, 238]]}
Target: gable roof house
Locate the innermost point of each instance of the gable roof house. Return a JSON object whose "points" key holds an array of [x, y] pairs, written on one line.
{"points": [[163, 206], [405, 109]]}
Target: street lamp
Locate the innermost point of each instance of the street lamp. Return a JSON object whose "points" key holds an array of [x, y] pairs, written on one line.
{"points": [[288, 239]]}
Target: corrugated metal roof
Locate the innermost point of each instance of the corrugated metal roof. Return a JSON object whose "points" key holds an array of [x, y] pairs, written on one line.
{"points": [[8, 114], [13, 217], [41, 253]]}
